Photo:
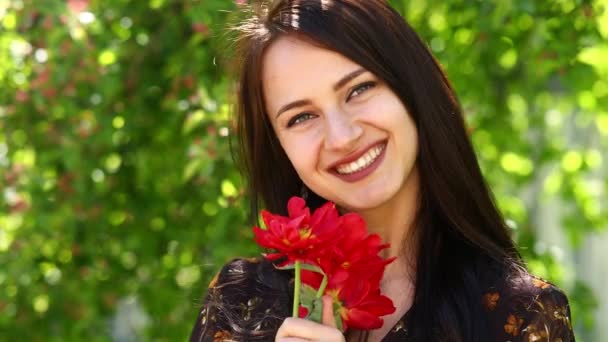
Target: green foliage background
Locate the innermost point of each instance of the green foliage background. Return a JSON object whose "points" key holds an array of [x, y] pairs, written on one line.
{"points": [[115, 171]]}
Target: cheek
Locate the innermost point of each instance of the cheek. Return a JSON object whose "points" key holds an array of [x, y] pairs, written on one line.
{"points": [[398, 117], [398, 120], [302, 148], [301, 155], [385, 109], [409, 137]]}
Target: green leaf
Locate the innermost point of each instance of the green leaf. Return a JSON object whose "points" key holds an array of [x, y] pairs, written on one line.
{"points": [[596, 56], [309, 300]]}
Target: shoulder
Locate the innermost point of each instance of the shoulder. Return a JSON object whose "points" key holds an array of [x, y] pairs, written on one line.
{"points": [[523, 307], [247, 297], [247, 280]]}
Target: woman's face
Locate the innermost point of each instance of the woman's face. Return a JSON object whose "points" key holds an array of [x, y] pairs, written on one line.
{"points": [[348, 136]]}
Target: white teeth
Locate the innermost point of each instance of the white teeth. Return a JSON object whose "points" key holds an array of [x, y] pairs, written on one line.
{"points": [[361, 163]]}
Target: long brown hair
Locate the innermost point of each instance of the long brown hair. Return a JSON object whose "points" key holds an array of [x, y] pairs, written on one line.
{"points": [[458, 225]]}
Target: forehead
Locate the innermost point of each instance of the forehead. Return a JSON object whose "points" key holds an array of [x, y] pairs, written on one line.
{"points": [[293, 69]]}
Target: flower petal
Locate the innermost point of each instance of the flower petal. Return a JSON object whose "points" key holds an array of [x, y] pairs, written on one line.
{"points": [[360, 319], [296, 206]]}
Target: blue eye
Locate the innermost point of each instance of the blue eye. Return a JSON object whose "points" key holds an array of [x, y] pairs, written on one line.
{"points": [[299, 118], [360, 89]]}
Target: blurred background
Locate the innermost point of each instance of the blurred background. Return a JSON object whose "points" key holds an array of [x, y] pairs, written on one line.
{"points": [[119, 199]]}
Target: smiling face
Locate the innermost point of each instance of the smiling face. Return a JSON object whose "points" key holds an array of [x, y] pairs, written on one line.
{"points": [[347, 134]]}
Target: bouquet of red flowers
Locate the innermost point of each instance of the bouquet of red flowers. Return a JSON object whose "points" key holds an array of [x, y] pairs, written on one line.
{"points": [[331, 255]]}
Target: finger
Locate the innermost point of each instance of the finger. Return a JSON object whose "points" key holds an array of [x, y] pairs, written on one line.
{"points": [[295, 327], [327, 314], [305, 329]]}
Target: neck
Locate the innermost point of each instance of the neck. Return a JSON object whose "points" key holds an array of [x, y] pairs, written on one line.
{"points": [[394, 220]]}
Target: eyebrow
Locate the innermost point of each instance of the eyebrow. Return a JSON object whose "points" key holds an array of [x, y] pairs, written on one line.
{"points": [[341, 83]]}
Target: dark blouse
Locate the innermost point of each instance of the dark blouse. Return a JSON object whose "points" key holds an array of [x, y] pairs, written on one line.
{"points": [[248, 300]]}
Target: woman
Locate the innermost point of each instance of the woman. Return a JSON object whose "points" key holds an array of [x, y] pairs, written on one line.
{"points": [[340, 99]]}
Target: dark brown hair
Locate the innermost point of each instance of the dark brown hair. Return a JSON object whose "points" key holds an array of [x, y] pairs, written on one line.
{"points": [[459, 228]]}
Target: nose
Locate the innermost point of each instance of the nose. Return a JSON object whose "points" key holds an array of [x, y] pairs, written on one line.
{"points": [[341, 132]]}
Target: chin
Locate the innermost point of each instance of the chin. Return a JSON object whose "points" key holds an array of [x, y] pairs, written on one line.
{"points": [[364, 204]]}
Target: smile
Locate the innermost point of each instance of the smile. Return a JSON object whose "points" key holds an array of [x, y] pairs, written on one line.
{"points": [[366, 163], [362, 162]]}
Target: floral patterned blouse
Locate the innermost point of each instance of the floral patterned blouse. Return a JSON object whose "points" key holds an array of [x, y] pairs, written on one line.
{"points": [[248, 300]]}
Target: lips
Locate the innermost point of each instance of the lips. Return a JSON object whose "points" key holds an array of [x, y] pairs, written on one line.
{"points": [[353, 170], [364, 161]]}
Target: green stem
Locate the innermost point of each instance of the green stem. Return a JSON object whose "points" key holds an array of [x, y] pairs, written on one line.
{"points": [[322, 287], [296, 291]]}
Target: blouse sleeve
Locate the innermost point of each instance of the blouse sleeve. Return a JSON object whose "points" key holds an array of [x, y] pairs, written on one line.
{"points": [[534, 311], [548, 318], [204, 330], [246, 301]]}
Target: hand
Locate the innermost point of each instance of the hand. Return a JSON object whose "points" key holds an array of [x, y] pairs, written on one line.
{"points": [[301, 330]]}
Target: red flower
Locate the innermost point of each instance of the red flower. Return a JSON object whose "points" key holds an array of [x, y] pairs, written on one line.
{"points": [[354, 270], [354, 252], [360, 303], [302, 312], [299, 236], [343, 251]]}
